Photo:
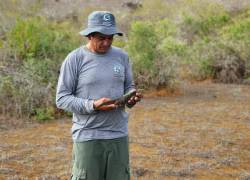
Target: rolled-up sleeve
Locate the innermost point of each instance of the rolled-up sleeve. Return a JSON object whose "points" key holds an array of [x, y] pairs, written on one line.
{"points": [[66, 87]]}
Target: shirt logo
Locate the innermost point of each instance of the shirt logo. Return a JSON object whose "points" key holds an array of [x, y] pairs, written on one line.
{"points": [[117, 69]]}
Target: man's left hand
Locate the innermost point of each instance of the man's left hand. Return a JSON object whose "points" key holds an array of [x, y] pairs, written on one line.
{"points": [[134, 99]]}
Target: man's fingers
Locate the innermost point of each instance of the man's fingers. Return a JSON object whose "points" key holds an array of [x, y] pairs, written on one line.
{"points": [[109, 107], [137, 99], [103, 104], [131, 101], [112, 106]]}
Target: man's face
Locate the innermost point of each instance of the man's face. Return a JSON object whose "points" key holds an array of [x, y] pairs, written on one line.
{"points": [[100, 43]]}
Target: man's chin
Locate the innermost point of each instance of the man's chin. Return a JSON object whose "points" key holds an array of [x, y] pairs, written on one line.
{"points": [[102, 51]]}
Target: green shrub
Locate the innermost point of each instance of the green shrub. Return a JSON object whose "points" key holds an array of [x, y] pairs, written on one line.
{"points": [[39, 70], [142, 49], [165, 28], [142, 44], [239, 30], [119, 42], [196, 28], [39, 46], [153, 57], [39, 38], [42, 114], [197, 60], [236, 36], [11, 99], [171, 46]]}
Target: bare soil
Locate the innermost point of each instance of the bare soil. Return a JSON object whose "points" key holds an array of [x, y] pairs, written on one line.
{"points": [[203, 132]]}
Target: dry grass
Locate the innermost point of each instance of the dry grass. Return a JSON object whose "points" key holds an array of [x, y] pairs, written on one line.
{"points": [[202, 134]]}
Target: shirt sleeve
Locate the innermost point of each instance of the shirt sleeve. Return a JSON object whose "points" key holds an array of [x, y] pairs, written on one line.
{"points": [[66, 87], [129, 82]]}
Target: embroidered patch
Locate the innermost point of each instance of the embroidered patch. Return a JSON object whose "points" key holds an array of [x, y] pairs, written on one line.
{"points": [[117, 69]]}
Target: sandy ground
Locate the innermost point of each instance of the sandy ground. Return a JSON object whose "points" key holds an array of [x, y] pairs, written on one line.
{"points": [[203, 133]]}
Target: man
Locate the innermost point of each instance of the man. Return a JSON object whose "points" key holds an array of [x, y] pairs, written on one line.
{"points": [[90, 76]]}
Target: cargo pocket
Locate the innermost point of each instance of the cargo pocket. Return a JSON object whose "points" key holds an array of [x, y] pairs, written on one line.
{"points": [[79, 174]]}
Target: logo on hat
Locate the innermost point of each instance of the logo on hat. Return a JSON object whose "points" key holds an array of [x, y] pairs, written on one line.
{"points": [[106, 17]]}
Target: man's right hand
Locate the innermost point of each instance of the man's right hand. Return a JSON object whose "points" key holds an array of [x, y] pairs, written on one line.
{"points": [[97, 104]]}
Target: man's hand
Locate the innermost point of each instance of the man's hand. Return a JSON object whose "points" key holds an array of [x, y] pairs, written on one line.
{"points": [[134, 99], [98, 104]]}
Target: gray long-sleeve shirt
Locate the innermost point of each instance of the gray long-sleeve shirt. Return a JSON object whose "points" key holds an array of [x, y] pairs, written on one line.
{"points": [[86, 76]]}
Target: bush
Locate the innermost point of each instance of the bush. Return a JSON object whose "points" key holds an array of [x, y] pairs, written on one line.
{"points": [[142, 44], [171, 54], [217, 41], [141, 47], [30, 77], [39, 38], [199, 59], [44, 114], [152, 56], [236, 36], [195, 28]]}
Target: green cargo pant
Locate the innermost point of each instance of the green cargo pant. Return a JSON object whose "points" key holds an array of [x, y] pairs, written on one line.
{"points": [[101, 160]]}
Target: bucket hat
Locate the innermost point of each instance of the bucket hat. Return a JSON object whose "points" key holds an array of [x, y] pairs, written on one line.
{"points": [[102, 22]]}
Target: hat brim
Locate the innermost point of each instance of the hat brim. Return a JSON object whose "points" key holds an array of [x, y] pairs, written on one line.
{"points": [[102, 30]]}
